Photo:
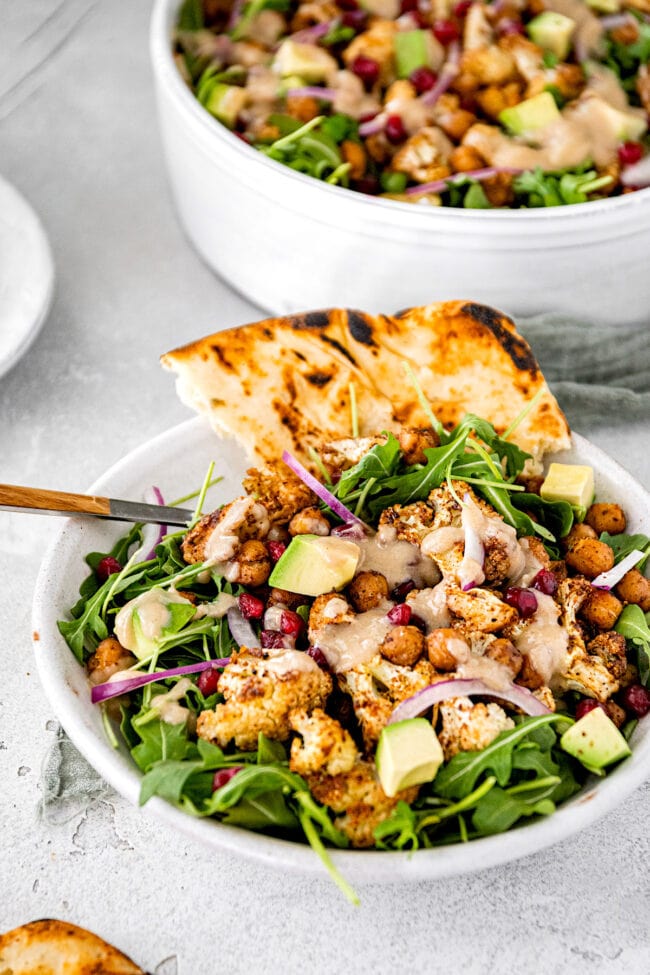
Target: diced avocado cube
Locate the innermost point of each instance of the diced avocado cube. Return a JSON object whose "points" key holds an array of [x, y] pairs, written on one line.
{"points": [[619, 125], [569, 482], [595, 741], [552, 32], [604, 6], [226, 102], [408, 753], [415, 49], [314, 564], [305, 60], [530, 115]]}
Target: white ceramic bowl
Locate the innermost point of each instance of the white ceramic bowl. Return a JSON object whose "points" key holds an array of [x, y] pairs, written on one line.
{"points": [[288, 241], [177, 461]]}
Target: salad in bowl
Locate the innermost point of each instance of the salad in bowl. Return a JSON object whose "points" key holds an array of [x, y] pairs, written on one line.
{"points": [[480, 105]]}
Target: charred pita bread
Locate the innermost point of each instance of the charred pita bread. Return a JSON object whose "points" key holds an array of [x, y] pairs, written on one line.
{"points": [[284, 383], [52, 947]]}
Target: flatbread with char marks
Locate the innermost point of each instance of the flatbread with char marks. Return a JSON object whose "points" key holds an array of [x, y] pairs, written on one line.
{"points": [[51, 947], [283, 383]]}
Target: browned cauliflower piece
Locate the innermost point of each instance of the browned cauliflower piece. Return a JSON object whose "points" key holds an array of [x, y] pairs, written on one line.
{"points": [[218, 535], [377, 43], [280, 490], [340, 455], [324, 745], [327, 609], [585, 672], [489, 65], [376, 688], [468, 727], [109, 658], [481, 608], [358, 796], [411, 522], [260, 691], [424, 156]]}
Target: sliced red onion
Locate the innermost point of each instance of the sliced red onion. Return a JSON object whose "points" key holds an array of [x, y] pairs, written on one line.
{"points": [[313, 91], [309, 34], [471, 569], [612, 21], [440, 185], [321, 491], [447, 74], [240, 629], [113, 688], [580, 48], [154, 496], [235, 14], [638, 174], [374, 125], [444, 690], [607, 580]]}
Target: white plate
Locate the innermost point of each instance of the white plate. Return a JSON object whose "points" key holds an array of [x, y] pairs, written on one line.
{"points": [[176, 462], [26, 276]]}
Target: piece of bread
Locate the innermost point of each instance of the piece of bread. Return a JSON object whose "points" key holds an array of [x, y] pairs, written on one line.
{"points": [[284, 383], [51, 947]]}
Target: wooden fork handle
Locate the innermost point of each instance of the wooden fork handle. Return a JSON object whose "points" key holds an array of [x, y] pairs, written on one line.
{"points": [[38, 499]]}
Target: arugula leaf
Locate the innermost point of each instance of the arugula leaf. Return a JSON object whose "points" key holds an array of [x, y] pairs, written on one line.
{"points": [[398, 830], [340, 127], [167, 779], [564, 187], [498, 811], [190, 16], [513, 455], [338, 34], [622, 545], [475, 198], [557, 516], [416, 485], [633, 625], [269, 751], [268, 810], [380, 462], [458, 777], [626, 59], [160, 741]]}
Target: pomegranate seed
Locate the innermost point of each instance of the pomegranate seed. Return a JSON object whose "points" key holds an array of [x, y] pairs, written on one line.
{"points": [[400, 592], [636, 698], [290, 623], [348, 5], [420, 19], [208, 681], [223, 775], [368, 185], [244, 138], [365, 68], [418, 622], [319, 657], [107, 567], [423, 79], [445, 31], [355, 19], [586, 705], [508, 27], [461, 8], [523, 600], [407, 6], [400, 615], [630, 153], [276, 550], [271, 639], [395, 131], [545, 582], [250, 607]]}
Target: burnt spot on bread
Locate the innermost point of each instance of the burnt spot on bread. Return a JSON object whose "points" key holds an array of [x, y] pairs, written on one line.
{"points": [[311, 319], [218, 351], [404, 313], [360, 328], [339, 348], [318, 378], [513, 344], [267, 333], [299, 355]]}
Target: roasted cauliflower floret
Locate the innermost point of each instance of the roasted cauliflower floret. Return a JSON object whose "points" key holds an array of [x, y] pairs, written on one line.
{"points": [[323, 746], [329, 608], [340, 455], [481, 609], [425, 156], [411, 522], [468, 727], [260, 692], [109, 658], [583, 671], [489, 65], [360, 799], [280, 491], [218, 535], [377, 43]]}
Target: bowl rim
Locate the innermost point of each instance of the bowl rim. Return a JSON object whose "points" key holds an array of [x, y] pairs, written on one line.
{"points": [[359, 866], [166, 71]]}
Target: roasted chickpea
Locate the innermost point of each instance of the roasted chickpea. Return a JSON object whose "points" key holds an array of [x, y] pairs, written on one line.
{"points": [[309, 521], [290, 600], [367, 590], [109, 657], [440, 646], [602, 609], [635, 588], [590, 557], [404, 645], [528, 676], [465, 158], [252, 564], [616, 713], [577, 533], [413, 442], [505, 653], [608, 518]]}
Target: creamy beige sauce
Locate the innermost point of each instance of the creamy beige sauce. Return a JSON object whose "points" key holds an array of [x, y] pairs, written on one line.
{"points": [[290, 661], [153, 612], [491, 672], [529, 568], [351, 97], [442, 540], [223, 540], [431, 606], [396, 559], [217, 608], [588, 31], [347, 645], [171, 712], [544, 640], [335, 607]]}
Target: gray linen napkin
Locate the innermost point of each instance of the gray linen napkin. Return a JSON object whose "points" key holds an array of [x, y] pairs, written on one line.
{"points": [[598, 373]]}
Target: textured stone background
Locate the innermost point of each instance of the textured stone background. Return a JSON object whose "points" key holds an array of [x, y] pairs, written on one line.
{"points": [[78, 137]]}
